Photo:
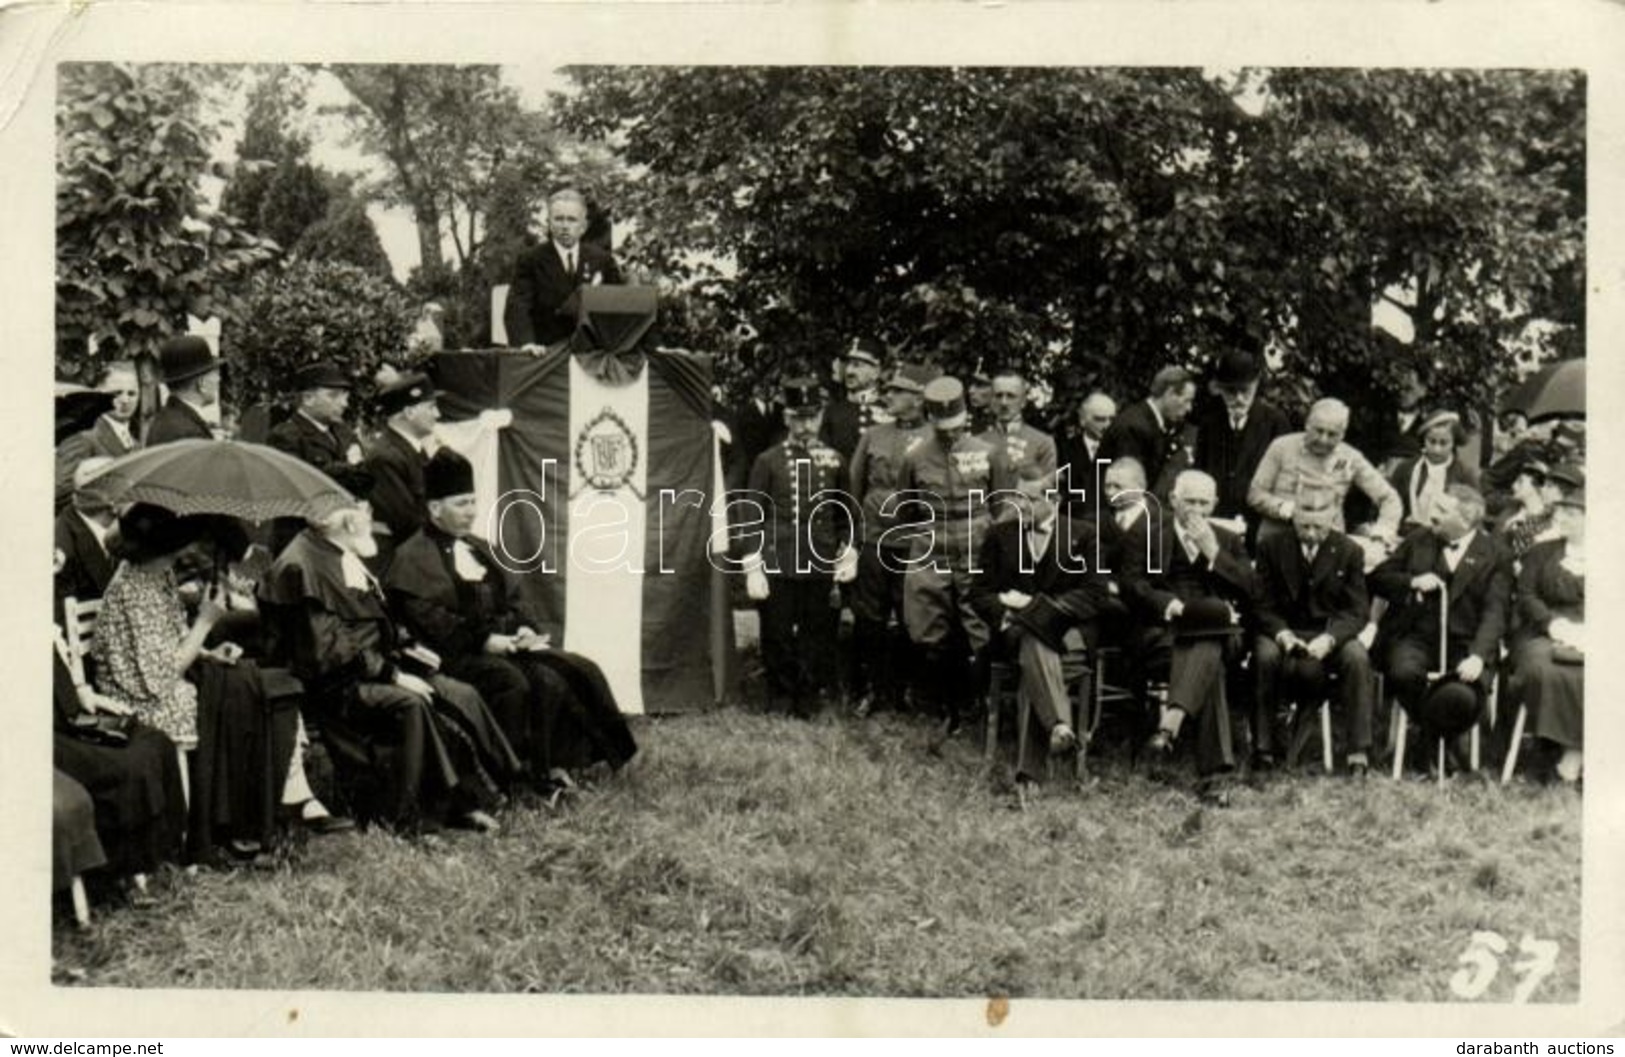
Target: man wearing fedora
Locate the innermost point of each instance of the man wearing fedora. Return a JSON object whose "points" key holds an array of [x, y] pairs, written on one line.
{"points": [[1312, 606], [316, 431], [803, 549], [880, 662], [1233, 429], [191, 373], [1451, 553], [954, 477], [397, 457], [863, 405], [1191, 589]]}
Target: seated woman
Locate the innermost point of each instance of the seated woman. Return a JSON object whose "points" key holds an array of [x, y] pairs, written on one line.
{"points": [[1529, 519], [133, 778], [150, 658], [1549, 673], [75, 848], [1421, 478]]}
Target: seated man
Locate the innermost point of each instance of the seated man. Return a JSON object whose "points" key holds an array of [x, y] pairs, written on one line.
{"points": [[1190, 587], [438, 750], [83, 565], [1035, 581], [450, 591], [1453, 554], [1312, 604], [316, 432], [1317, 460]]}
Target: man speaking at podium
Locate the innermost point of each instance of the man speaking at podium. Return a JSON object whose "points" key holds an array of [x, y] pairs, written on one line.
{"points": [[541, 306]]}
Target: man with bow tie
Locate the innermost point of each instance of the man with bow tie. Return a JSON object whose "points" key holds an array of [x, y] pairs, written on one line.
{"points": [[1152, 430], [804, 548], [1191, 588], [540, 309], [1036, 582], [455, 597], [1021, 444], [382, 707], [1312, 604], [1452, 553]]}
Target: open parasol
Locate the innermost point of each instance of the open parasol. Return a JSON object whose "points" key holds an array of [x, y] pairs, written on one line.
{"points": [[248, 481], [1557, 390]]}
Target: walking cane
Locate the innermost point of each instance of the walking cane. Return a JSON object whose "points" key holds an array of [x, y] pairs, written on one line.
{"points": [[1444, 661]]}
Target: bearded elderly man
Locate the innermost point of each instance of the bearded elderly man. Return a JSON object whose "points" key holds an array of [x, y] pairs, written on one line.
{"points": [[1317, 460], [381, 704], [455, 597]]}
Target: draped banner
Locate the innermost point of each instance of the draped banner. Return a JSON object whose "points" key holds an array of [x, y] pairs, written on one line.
{"points": [[598, 495]]}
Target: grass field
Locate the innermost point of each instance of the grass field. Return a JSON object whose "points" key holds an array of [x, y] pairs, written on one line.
{"points": [[750, 854]]}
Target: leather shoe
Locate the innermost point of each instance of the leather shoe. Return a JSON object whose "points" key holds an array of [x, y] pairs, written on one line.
{"points": [[1160, 743], [327, 825], [1062, 740], [1358, 771]]}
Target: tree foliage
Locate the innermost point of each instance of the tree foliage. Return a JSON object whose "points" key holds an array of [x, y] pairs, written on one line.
{"points": [[309, 310], [1100, 223], [137, 246]]}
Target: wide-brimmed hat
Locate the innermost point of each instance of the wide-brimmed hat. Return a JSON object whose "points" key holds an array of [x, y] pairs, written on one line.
{"points": [[184, 357], [1567, 474], [1202, 617], [148, 531], [405, 391], [1574, 497], [945, 402]]}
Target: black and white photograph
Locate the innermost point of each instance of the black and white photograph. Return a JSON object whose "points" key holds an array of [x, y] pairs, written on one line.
{"points": [[1014, 523]]}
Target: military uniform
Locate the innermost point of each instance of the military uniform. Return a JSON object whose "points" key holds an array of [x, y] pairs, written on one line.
{"points": [[804, 536], [1022, 445], [954, 481]]}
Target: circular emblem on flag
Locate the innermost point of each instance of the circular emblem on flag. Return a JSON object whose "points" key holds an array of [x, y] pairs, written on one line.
{"points": [[607, 452]]}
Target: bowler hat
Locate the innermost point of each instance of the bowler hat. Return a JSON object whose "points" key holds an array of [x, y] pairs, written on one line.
{"points": [[911, 377], [945, 402], [865, 350], [802, 396], [184, 357], [1236, 368], [320, 375], [447, 474], [1450, 708], [405, 391]]}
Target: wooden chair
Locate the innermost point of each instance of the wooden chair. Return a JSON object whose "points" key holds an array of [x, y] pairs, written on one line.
{"points": [[1399, 722], [1004, 679]]}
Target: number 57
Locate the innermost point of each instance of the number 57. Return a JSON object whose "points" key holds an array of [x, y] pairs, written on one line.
{"points": [[1481, 961]]}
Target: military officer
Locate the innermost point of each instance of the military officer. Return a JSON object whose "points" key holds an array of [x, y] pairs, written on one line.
{"points": [[862, 406], [805, 546], [1021, 444], [944, 508], [879, 660]]}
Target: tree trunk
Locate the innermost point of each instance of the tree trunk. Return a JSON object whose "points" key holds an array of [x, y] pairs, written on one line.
{"points": [[427, 215]]}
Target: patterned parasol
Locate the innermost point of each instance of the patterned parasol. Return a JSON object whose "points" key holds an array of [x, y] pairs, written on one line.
{"points": [[248, 481]]}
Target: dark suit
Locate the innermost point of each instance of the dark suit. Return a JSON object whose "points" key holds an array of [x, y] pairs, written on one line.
{"points": [[1230, 458], [105, 441], [1195, 664], [1160, 449], [177, 420], [326, 449], [539, 311], [846, 419], [397, 491], [1067, 592], [1480, 592], [85, 565], [1327, 597], [1074, 454]]}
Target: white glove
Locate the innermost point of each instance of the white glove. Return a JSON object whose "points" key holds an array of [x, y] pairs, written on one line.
{"points": [[846, 566], [756, 584]]}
